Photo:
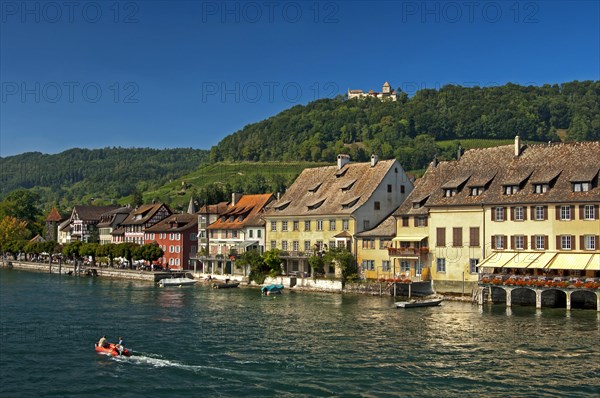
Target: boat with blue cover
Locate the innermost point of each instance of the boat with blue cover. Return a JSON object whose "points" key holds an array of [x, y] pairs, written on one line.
{"points": [[271, 289]]}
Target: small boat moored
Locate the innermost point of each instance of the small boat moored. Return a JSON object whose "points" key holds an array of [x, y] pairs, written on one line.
{"points": [[176, 281], [418, 303], [225, 285], [112, 350], [271, 289]]}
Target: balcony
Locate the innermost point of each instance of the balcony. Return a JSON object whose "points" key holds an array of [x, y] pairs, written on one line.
{"points": [[407, 251], [296, 254]]}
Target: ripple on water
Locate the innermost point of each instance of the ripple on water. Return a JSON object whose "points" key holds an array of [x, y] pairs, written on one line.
{"points": [[198, 341]]}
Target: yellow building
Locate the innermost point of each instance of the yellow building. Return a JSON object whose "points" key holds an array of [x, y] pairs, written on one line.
{"points": [[372, 251], [326, 206], [502, 208]]}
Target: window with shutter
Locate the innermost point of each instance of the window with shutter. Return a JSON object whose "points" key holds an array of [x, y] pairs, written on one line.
{"points": [[441, 237]]}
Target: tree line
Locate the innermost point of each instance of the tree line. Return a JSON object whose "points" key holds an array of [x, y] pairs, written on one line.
{"points": [[78, 251]]}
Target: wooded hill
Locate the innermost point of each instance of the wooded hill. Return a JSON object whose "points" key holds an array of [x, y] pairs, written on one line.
{"points": [[106, 175], [405, 129]]}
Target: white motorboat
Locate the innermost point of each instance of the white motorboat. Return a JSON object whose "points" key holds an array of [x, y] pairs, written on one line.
{"points": [[176, 281]]}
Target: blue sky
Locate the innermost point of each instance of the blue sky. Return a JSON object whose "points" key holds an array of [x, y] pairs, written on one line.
{"points": [[187, 73]]}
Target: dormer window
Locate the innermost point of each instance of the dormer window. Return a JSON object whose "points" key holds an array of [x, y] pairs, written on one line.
{"points": [[348, 186], [581, 186], [350, 203], [314, 188], [316, 205], [476, 191], [511, 189], [450, 192], [540, 188]]}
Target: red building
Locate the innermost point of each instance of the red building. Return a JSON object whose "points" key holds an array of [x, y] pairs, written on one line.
{"points": [[177, 235]]}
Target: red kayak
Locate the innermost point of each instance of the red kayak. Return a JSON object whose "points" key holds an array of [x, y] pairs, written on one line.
{"points": [[111, 350]]}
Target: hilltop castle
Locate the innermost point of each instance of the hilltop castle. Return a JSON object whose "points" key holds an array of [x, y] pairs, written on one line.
{"points": [[386, 93]]}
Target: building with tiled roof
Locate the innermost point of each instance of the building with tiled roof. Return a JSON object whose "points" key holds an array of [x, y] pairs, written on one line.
{"points": [[327, 206], [133, 227], [111, 221], [387, 93], [84, 220], [177, 235], [240, 228], [207, 215], [517, 201], [372, 250]]}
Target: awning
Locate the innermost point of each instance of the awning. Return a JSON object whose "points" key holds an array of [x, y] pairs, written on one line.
{"points": [[497, 259], [409, 238], [571, 261], [542, 261], [594, 264], [247, 243], [522, 260]]}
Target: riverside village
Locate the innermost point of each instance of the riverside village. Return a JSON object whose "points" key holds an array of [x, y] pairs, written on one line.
{"points": [[513, 224]]}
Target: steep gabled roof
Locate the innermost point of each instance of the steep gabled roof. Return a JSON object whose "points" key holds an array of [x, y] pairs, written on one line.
{"points": [[175, 223], [219, 208], [498, 167], [327, 190], [144, 213], [91, 213], [247, 212], [107, 219]]}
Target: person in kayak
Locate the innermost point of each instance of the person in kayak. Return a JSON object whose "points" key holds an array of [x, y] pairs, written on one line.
{"points": [[103, 342]]}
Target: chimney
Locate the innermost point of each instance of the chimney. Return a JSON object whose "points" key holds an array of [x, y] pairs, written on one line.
{"points": [[517, 146], [434, 162], [342, 159], [278, 195], [460, 152], [374, 160], [235, 197]]}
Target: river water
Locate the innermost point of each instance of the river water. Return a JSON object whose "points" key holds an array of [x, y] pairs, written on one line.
{"points": [[196, 341]]}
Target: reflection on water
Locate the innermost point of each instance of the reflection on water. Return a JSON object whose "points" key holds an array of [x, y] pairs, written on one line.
{"points": [[196, 340]]}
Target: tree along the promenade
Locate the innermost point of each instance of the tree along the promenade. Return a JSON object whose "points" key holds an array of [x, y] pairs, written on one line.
{"points": [[73, 250], [90, 250], [149, 252], [12, 229], [109, 251], [341, 257], [126, 250], [255, 263]]}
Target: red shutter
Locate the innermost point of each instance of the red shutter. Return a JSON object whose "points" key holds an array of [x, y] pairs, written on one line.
{"points": [[581, 242], [545, 242], [557, 213], [493, 214], [532, 208], [581, 212], [512, 213], [525, 242], [545, 212], [574, 242], [558, 242]]}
